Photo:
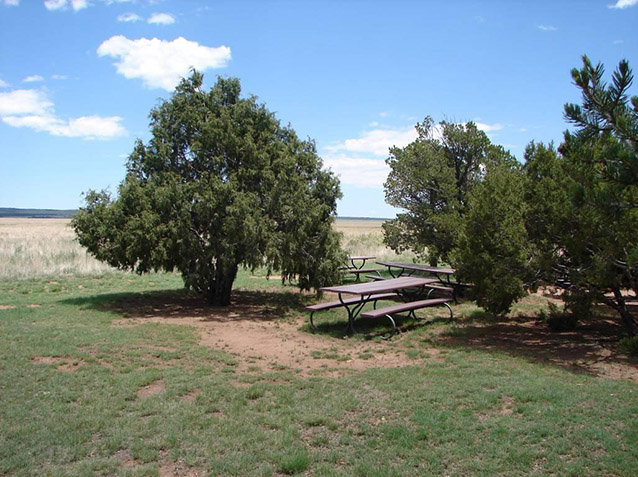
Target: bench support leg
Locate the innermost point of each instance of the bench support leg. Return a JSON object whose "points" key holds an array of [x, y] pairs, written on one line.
{"points": [[450, 310], [394, 328]]}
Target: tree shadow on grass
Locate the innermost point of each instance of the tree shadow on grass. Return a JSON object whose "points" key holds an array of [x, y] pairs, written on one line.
{"points": [[377, 328], [592, 348], [179, 304]]}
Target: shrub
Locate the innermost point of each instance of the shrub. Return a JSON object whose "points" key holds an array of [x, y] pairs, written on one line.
{"points": [[630, 345], [558, 320]]}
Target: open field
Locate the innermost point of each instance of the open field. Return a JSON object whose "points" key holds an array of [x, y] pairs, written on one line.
{"points": [[117, 374], [31, 248], [365, 237], [42, 247]]}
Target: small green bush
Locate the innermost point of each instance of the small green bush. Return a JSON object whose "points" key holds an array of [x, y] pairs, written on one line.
{"points": [[579, 303], [558, 320], [630, 345]]}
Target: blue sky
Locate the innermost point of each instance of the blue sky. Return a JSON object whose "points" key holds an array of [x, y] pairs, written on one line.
{"points": [[79, 77]]}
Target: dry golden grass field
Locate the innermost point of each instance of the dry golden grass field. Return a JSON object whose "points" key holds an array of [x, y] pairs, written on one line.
{"points": [[365, 237], [32, 248]]}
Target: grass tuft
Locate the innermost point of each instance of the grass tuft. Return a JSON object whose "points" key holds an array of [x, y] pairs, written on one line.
{"points": [[294, 462]]}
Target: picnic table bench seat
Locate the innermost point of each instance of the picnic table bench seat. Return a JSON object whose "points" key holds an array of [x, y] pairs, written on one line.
{"points": [[440, 288], [376, 277], [403, 307], [349, 301], [429, 287], [359, 271]]}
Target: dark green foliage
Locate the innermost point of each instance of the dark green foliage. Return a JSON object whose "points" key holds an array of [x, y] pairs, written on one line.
{"points": [[575, 226], [608, 110], [569, 218], [493, 249], [431, 179], [221, 184], [558, 320], [630, 345], [601, 158]]}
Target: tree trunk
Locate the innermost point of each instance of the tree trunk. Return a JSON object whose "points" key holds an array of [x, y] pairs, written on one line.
{"points": [[220, 289], [627, 319]]}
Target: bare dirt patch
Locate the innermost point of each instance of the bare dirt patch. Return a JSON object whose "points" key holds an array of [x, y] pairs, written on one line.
{"points": [[252, 330], [126, 460], [47, 359], [7, 307], [169, 468], [191, 396], [152, 389], [65, 364]]}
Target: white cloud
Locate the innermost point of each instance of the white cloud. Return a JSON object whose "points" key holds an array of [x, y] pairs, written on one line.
{"points": [[33, 79], [87, 127], [547, 27], [63, 4], [32, 109], [354, 160], [624, 4], [487, 128], [11, 3], [54, 4], [24, 102], [59, 77], [129, 18], [3, 84], [161, 19], [159, 63], [358, 171], [361, 161], [377, 141]]}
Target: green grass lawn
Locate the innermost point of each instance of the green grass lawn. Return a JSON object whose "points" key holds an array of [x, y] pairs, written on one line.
{"points": [[81, 397]]}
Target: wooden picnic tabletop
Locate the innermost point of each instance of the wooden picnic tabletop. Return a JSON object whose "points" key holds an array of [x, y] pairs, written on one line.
{"points": [[392, 284], [418, 267], [361, 257]]}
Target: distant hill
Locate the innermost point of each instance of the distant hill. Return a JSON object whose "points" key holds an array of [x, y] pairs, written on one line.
{"points": [[67, 214], [37, 213], [362, 218]]}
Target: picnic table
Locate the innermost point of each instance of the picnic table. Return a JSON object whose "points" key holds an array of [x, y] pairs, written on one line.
{"points": [[357, 264], [408, 269], [359, 258], [405, 287]]}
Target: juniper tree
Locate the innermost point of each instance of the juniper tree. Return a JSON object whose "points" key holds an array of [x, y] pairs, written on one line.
{"points": [[573, 221], [220, 185], [493, 250], [430, 179]]}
